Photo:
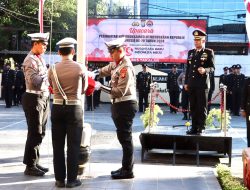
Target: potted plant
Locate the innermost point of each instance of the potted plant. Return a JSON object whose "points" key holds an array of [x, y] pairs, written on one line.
{"points": [[151, 122], [214, 119]]}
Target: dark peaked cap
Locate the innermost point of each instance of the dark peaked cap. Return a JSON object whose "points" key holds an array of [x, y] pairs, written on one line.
{"points": [[115, 43], [198, 34]]}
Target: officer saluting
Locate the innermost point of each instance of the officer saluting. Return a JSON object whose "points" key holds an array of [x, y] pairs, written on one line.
{"points": [[35, 102], [67, 79], [200, 63], [143, 82], [122, 92]]}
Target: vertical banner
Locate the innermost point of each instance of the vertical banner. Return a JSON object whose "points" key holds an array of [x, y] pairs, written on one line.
{"points": [[40, 15]]}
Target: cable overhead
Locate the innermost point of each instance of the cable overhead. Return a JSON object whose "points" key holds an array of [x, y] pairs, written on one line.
{"points": [[10, 14]]}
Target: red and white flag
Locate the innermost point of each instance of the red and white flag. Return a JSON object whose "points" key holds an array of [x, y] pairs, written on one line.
{"points": [[40, 14], [247, 5]]}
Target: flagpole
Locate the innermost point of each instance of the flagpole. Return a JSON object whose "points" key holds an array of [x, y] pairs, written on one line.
{"points": [[51, 23], [41, 15]]}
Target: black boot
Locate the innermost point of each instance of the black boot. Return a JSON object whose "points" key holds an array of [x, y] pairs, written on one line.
{"points": [[123, 174], [45, 170], [33, 171]]}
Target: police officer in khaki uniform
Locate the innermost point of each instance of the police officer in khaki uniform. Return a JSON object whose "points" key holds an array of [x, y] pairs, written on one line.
{"points": [[200, 63], [35, 102], [122, 92], [67, 79]]}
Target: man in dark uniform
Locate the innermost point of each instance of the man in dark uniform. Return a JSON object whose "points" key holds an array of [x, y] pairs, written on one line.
{"points": [[224, 80], [173, 88], [68, 80], [19, 85], [237, 88], [122, 92], [184, 96], [143, 82], [90, 99], [245, 107], [223, 77], [7, 85], [230, 79], [200, 63], [35, 103]]}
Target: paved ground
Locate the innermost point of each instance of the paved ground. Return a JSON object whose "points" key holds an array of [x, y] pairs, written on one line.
{"points": [[156, 173]]}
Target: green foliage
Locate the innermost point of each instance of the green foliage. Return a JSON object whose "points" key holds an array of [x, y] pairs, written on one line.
{"points": [[226, 180], [145, 116], [213, 119]]}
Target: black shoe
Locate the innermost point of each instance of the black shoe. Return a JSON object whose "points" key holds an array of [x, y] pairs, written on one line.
{"points": [[123, 174], [45, 170], [193, 132], [60, 184], [75, 183], [33, 171], [113, 172]]}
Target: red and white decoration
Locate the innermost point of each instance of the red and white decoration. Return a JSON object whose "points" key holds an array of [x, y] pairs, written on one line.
{"points": [[40, 15]]}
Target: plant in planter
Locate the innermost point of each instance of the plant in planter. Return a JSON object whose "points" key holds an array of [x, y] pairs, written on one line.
{"points": [[145, 117], [214, 118]]}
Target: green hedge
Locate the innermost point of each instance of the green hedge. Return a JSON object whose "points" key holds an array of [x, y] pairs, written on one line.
{"points": [[226, 180]]}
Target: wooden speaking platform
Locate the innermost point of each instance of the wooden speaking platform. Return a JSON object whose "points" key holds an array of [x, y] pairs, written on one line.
{"points": [[176, 139]]}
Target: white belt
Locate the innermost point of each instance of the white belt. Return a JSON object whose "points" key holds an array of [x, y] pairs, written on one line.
{"points": [[122, 99], [38, 92], [67, 102]]}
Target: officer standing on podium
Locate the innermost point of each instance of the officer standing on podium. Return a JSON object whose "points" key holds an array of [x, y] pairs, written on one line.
{"points": [[122, 92], [200, 63], [35, 102]]}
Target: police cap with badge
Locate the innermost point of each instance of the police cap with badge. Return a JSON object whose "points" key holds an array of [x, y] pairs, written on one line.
{"points": [[198, 34], [39, 37], [238, 66], [115, 44], [67, 43], [225, 68]]}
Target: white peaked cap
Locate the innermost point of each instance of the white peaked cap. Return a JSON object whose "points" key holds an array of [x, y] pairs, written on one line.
{"points": [[115, 43], [66, 42], [39, 36]]}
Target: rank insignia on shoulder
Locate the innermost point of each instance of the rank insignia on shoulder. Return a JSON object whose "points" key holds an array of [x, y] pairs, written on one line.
{"points": [[123, 72]]}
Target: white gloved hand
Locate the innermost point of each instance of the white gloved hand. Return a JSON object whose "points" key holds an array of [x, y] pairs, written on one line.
{"points": [[98, 85], [92, 74]]}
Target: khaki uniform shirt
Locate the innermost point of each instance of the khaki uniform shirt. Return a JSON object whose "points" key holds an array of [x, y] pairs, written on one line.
{"points": [[123, 80], [35, 72], [71, 76]]}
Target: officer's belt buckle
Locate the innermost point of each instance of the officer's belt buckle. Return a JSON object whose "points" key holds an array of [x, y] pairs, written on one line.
{"points": [[46, 94], [67, 102], [122, 99]]}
